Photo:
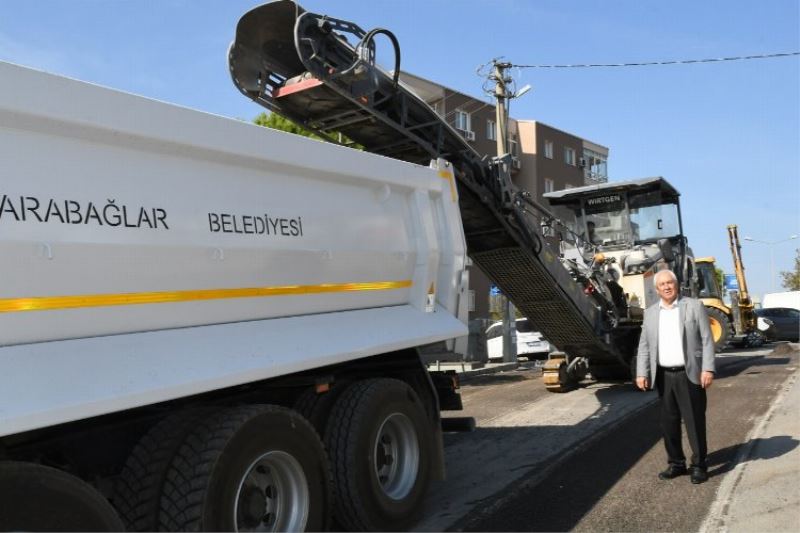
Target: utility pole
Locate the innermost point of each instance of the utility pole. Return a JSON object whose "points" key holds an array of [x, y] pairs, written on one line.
{"points": [[501, 95]]}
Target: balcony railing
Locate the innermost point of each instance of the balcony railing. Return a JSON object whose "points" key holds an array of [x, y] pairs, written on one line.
{"points": [[592, 178]]}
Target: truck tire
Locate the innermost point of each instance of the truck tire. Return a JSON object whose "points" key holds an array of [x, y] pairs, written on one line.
{"points": [[380, 443], [720, 328], [137, 493], [34, 497], [245, 469]]}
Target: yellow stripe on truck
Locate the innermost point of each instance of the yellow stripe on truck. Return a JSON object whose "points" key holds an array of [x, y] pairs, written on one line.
{"points": [[444, 174], [49, 303]]}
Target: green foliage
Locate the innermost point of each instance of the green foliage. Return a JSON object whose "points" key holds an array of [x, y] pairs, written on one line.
{"points": [[791, 278], [277, 122], [720, 278], [496, 309]]}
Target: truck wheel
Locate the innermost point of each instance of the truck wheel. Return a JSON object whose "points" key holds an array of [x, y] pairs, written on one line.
{"points": [[379, 440], [137, 494], [720, 328], [251, 468], [34, 497]]}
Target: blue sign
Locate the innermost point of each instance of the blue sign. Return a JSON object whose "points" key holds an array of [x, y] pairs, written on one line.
{"points": [[494, 290], [731, 283]]}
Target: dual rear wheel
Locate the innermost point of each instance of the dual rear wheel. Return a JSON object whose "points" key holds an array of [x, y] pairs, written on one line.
{"points": [[265, 468], [252, 468]]}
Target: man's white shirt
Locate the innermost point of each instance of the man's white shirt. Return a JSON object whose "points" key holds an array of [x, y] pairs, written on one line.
{"points": [[670, 344]]}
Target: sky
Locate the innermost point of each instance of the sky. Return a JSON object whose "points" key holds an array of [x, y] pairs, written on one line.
{"points": [[726, 135]]}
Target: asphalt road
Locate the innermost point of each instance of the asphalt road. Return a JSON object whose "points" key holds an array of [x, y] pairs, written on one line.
{"points": [[588, 460]]}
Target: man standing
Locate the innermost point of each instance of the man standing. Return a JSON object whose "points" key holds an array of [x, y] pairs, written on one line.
{"points": [[676, 354]]}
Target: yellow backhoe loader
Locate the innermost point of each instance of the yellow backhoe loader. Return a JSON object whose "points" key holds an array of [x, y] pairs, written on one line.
{"points": [[737, 323]]}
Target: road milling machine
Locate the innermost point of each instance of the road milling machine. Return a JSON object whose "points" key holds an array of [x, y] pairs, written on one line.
{"points": [[737, 323], [321, 73]]}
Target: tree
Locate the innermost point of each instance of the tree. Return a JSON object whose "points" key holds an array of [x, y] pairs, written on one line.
{"points": [[277, 122], [791, 279], [720, 278]]}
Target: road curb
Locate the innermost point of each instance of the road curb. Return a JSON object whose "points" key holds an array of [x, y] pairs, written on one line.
{"points": [[717, 518]]}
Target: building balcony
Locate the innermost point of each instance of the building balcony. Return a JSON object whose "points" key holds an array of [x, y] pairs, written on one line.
{"points": [[593, 178]]}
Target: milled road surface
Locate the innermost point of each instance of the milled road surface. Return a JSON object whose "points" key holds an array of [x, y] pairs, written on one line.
{"points": [[588, 459]]}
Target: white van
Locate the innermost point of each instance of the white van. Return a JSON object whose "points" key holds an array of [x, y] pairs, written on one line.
{"points": [[529, 343], [782, 299]]}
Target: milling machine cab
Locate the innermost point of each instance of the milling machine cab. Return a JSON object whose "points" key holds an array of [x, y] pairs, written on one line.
{"points": [[634, 225]]}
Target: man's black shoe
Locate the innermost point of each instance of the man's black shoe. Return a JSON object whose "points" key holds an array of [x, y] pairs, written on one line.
{"points": [[698, 475], [672, 471]]}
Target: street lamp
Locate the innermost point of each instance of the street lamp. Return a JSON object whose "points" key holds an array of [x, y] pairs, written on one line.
{"points": [[771, 245]]}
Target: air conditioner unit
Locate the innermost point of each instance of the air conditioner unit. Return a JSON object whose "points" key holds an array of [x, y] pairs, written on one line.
{"points": [[582, 162], [469, 135], [516, 164]]}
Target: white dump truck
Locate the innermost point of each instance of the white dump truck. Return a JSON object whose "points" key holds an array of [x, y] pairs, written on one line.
{"points": [[205, 324]]}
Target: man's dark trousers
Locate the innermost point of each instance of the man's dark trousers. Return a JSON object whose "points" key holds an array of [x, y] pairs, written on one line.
{"points": [[680, 398]]}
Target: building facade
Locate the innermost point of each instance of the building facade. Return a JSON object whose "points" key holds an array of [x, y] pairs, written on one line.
{"points": [[545, 158]]}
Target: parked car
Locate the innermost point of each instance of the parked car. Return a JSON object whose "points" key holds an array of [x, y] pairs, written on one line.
{"points": [[530, 343], [785, 320]]}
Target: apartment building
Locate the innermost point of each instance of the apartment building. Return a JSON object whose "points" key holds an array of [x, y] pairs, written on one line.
{"points": [[545, 158]]}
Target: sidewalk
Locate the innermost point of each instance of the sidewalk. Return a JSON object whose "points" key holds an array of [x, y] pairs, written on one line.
{"points": [[762, 493]]}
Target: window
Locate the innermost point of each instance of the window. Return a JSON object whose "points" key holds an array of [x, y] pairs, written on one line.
{"points": [[494, 331], [548, 185], [707, 284], [651, 218], [491, 132], [596, 169], [569, 156], [548, 149], [463, 121]]}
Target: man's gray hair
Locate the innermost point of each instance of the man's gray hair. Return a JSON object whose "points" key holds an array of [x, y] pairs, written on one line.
{"points": [[668, 273]]}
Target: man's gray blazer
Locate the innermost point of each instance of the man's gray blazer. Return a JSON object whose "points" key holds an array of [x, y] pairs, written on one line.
{"points": [[698, 343]]}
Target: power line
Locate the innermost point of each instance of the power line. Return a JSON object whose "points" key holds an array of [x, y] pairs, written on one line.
{"points": [[671, 62]]}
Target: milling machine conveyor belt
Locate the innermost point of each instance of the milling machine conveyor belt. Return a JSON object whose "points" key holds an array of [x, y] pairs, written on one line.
{"points": [[300, 65]]}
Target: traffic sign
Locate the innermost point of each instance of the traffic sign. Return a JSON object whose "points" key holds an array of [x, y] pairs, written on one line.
{"points": [[731, 283]]}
